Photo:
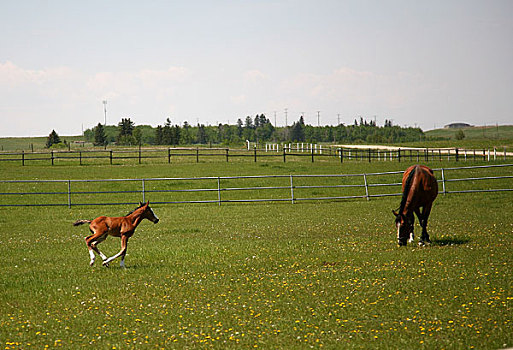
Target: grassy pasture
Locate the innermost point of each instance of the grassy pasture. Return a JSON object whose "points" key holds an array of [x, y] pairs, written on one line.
{"points": [[475, 138], [313, 274]]}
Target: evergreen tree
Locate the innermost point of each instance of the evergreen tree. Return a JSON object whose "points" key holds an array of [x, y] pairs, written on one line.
{"points": [[175, 132], [201, 138], [167, 137], [297, 132], [52, 139], [185, 135], [239, 127], [248, 132], [158, 135], [126, 128], [100, 138]]}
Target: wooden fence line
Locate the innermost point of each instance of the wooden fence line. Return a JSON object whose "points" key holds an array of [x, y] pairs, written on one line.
{"points": [[343, 154]]}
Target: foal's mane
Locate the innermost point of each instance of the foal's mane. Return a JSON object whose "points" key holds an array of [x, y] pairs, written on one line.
{"points": [[407, 187], [140, 206]]}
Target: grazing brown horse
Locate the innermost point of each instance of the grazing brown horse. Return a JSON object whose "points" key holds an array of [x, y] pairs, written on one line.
{"points": [[122, 227], [419, 191]]}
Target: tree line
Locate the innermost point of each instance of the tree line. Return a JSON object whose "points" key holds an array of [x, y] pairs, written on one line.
{"points": [[255, 129]]}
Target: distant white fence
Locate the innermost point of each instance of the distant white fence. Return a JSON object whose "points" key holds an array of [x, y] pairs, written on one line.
{"points": [[228, 189]]}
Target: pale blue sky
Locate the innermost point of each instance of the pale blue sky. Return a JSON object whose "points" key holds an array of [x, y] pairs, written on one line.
{"points": [[425, 63]]}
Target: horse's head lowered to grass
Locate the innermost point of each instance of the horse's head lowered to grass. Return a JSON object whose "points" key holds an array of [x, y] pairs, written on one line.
{"points": [[404, 227]]}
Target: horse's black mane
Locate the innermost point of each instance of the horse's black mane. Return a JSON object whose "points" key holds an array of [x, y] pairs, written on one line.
{"points": [[140, 205], [407, 187]]}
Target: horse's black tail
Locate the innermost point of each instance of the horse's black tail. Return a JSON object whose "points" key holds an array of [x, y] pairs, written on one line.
{"points": [[81, 222], [407, 187]]}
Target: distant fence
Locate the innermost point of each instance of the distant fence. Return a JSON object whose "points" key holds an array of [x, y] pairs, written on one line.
{"points": [[226, 189], [284, 153]]}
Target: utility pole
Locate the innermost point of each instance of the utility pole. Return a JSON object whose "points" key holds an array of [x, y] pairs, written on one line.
{"points": [[286, 121], [275, 125], [318, 118], [338, 119], [105, 111]]}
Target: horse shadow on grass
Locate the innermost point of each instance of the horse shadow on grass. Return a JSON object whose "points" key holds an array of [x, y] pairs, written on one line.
{"points": [[450, 241]]}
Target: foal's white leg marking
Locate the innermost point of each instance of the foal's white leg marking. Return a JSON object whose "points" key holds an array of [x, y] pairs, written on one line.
{"points": [[91, 255], [112, 258], [98, 241]]}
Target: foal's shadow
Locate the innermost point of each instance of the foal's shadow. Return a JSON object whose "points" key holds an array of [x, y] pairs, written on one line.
{"points": [[450, 241]]}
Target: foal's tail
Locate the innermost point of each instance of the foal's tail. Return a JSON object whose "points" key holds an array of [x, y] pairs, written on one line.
{"points": [[81, 222]]}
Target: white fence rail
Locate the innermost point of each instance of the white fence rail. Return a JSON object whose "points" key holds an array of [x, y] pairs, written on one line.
{"points": [[226, 189]]}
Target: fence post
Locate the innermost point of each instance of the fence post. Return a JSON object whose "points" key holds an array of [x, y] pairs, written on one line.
{"points": [[197, 154], [369, 155], [457, 154], [143, 192], [366, 186], [52, 157], [110, 152], [219, 190], [399, 155], [69, 194], [255, 150], [291, 189], [80, 156], [23, 158], [443, 181], [312, 154], [284, 155], [227, 155], [169, 155], [341, 150], [139, 153]]}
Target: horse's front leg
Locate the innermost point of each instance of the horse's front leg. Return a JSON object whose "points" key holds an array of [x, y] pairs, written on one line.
{"points": [[412, 234], [122, 252], [425, 215]]}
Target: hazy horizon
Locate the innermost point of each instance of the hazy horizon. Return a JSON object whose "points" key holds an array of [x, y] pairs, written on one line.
{"points": [[423, 64]]}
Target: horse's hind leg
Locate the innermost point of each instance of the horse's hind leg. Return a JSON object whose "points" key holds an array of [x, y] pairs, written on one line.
{"points": [[92, 241]]}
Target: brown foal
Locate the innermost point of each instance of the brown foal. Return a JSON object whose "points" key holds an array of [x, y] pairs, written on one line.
{"points": [[122, 227]]}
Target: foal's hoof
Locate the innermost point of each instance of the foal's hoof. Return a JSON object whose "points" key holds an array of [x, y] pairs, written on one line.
{"points": [[106, 264], [91, 263]]}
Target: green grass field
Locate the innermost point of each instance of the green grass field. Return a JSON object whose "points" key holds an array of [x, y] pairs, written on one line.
{"points": [[479, 137], [312, 274]]}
